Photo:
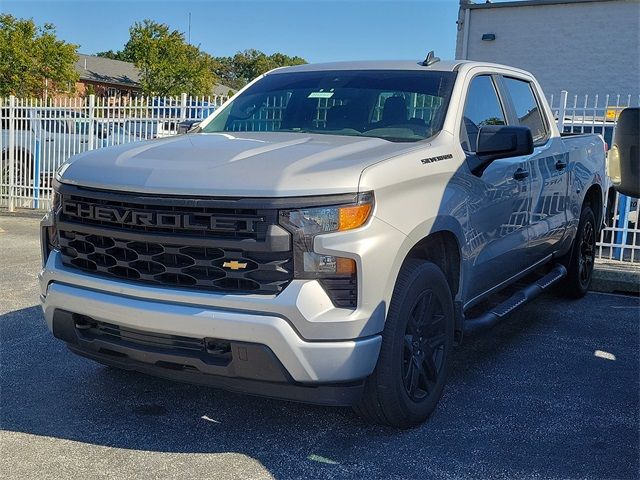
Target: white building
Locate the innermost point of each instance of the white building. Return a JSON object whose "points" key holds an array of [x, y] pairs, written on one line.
{"points": [[582, 46]]}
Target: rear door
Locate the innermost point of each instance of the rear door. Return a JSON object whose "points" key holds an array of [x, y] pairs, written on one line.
{"points": [[499, 199], [547, 166]]}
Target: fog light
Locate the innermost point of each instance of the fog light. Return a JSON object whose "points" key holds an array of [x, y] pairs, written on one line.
{"points": [[328, 264]]}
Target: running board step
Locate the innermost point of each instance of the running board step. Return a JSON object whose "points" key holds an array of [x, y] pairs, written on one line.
{"points": [[525, 295]]}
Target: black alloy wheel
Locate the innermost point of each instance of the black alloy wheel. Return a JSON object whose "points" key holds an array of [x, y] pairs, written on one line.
{"points": [[587, 253], [580, 259], [424, 347]]}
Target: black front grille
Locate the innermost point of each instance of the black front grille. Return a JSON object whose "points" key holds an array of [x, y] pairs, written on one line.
{"points": [[187, 218], [217, 247], [199, 267]]}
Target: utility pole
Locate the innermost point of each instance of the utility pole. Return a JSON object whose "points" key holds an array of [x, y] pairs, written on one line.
{"points": [[189, 35]]}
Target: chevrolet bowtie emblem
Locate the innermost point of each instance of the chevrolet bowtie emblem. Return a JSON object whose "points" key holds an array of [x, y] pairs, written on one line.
{"points": [[234, 265]]}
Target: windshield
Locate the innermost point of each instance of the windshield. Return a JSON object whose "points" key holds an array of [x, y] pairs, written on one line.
{"points": [[395, 105]]}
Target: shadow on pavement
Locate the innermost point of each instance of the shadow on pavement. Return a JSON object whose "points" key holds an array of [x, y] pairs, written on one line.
{"points": [[527, 399]]}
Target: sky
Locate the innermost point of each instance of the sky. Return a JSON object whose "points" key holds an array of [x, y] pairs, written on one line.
{"points": [[318, 31]]}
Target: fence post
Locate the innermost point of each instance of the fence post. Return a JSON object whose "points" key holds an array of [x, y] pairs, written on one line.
{"points": [[12, 151], [623, 227], [91, 115], [183, 107], [562, 110]]}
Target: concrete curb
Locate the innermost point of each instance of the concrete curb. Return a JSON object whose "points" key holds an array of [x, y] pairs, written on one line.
{"points": [[27, 213], [610, 277]]}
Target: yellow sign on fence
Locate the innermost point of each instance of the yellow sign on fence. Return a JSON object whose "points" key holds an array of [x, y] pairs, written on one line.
{"points": [[613, 113]]}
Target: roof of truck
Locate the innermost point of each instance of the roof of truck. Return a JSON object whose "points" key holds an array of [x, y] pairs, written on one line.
{"points": [[443, 65], [440, 66]]}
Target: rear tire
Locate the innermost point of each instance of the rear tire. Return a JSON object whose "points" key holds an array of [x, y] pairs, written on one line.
{"points": [[415, 355], [581, 258]]}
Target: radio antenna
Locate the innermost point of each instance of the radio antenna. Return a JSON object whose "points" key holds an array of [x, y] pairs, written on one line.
{"points": [[430, 60], [189, 36]]}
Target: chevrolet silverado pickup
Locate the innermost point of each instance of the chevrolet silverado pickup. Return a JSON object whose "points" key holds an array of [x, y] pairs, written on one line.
{"points": [[326, 236]]}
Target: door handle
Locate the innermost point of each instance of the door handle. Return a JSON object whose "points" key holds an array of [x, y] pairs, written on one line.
{"points": [[48, 139], [520, 174], [561, 165]]}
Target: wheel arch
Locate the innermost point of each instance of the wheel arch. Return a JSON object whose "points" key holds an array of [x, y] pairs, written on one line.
{"points": [[443, 249], [441, 240], [594, 197]]}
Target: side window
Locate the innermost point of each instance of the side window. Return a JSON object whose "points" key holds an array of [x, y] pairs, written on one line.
{"points": [[53, 125], [526, 107], [482, 107]]}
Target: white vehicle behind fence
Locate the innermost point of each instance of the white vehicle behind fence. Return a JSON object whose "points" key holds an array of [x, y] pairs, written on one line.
{"points": [[37, 137], [54, 132]]}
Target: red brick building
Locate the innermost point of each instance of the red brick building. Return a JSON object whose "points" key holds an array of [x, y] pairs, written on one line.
{"points": [[106, 78]]}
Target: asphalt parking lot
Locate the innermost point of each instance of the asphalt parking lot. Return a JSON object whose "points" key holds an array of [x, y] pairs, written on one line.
{"points": [[551, 393]]}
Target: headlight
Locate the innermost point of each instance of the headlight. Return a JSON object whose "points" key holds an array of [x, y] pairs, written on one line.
{"points": [[53, 231], [49, 232], [315, 221], [306, 223], [55, 201]]}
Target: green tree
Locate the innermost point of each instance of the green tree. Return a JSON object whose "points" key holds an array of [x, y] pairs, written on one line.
{"points": [[119, 55], [33, 61], [244, 66], [168, 64]]}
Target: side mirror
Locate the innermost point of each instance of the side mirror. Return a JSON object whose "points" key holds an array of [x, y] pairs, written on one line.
{"points": [[624, 157], [500, 141], [187, 126]]}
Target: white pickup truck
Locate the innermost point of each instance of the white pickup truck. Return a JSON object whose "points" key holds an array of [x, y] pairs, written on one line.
{"points": [[327, 235]]}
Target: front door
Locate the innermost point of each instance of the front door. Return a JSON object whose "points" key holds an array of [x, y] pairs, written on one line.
{"points": [[499, 200]]}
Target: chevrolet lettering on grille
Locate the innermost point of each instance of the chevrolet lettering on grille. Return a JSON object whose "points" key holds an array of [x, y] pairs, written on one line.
{"points": [[150, 218]]}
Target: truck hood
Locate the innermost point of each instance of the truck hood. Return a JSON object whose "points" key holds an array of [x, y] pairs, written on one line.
{"points": [[256, 164]]}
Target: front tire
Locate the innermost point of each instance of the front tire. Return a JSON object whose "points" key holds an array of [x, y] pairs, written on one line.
{"points": [[415, 355], [581, 258]]}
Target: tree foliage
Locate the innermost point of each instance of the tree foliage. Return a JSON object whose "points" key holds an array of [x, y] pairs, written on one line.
{"points": [[244, 66], [119, 55], [168, 64], [33, 61]]}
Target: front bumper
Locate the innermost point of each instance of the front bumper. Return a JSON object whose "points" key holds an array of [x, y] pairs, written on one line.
{"points": [[248, 368], [305, 361], [327, 372], [314, 343]]}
